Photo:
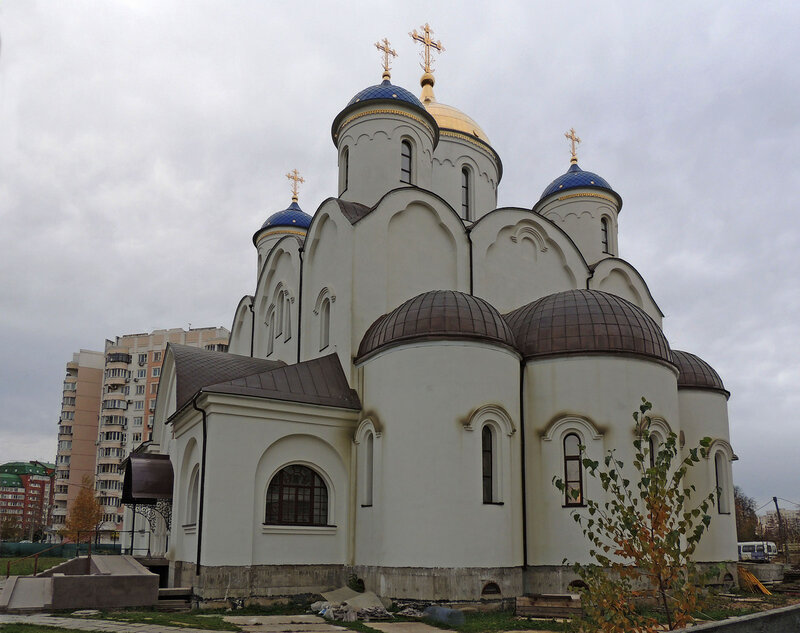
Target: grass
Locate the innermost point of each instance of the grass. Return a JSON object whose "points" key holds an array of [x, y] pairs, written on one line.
{"points": [[193, 619], [25, 567], [500, 621]]}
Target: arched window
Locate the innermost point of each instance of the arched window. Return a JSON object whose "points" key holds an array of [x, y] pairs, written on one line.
{"points": [[278, 316], [604, 234], [369, 469], [287, 316], [297, 496], [271, 332], [487, 463], [653, 445], [723, 494], [193, 497], [324, 323], [465, 193], [573, 471], [345, 168], [405, 162]]}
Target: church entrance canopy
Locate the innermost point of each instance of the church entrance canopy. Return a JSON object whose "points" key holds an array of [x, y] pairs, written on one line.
{"points": [[148, 479]]}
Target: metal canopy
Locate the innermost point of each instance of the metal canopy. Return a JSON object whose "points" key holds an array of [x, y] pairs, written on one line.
{"points": [[148, 478]]}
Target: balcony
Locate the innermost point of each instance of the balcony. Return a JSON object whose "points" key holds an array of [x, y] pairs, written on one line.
{"points": [[115, 405], [118, 357]]}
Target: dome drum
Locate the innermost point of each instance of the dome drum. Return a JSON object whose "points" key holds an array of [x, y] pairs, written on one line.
{"points": [[695, 373]]}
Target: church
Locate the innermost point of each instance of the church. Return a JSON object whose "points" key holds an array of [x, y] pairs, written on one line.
{"points": [[413, 368]]}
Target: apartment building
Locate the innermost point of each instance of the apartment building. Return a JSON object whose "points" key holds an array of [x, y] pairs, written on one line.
{"points": [[26, 497], [130, 385], [77, 430]]}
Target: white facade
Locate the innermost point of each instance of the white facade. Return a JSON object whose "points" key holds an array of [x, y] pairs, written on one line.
{"points": [[372, 360]]}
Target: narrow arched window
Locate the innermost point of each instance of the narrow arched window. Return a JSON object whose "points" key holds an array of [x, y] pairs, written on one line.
{"points": [[345, 168], [465, 193], [193, 496], [604, 234], [369, 468], [324, 324], [297, 496], [653, 446], [271, 333], [287, 315], [720, 470], [405, 162], [278, 316], [487, 463], [573, 471]]}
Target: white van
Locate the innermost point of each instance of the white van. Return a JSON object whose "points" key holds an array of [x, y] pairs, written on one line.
{"points": [[757, 551]]}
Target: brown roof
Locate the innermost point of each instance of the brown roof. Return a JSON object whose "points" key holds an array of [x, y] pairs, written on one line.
{"points": [[148, 477], [195, 368], [438, 314], [696, 373], [353, 211], [586, 321], [319, 381]]}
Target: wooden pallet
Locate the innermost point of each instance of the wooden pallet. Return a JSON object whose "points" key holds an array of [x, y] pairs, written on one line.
{"points": [[549, 606]]}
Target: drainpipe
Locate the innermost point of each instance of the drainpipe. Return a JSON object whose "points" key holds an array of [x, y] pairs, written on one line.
{"points": [[252, 325], [300, 305], [469, 239], [202, 482], [522, 463]]}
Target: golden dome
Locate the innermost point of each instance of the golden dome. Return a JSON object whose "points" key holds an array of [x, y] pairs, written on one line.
{"points": [[446, 116]]}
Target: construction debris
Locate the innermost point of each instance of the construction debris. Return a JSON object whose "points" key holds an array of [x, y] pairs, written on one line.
{"points": [[749, 582], [348, 605]]}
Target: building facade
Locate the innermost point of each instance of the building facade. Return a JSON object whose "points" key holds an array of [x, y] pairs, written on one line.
{"points": [[413, 368], [77, 430], [26, 497]]}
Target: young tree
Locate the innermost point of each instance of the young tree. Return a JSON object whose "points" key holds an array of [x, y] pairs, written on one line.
{"points": [[10, 528], [642, 534], [85, 515], [746, 519]]}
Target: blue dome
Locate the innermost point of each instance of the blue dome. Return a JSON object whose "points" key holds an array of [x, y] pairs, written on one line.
{"points": [[292, 216], [386, 90], [576, 178]]}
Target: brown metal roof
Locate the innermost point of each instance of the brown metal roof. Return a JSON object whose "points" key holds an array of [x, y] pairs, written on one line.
{"points": [[586, 321], [148, 478], [438, 314], [319, 381], [195, 368], [696, 373], [353, 211]]}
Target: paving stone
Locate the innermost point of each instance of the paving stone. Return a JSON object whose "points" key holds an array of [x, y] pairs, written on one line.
{"points": [[403, 627], [273, 619]]}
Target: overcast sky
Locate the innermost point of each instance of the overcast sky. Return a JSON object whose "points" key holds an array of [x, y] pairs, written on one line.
{"points": [[142, 144]]}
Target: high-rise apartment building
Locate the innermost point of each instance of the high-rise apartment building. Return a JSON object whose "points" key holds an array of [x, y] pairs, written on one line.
{"points": [[77, 430], [26, 497], [130, 385]]}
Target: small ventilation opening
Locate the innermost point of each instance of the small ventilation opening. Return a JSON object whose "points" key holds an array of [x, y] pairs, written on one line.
{"points": [[490, 589], [577, 585]]}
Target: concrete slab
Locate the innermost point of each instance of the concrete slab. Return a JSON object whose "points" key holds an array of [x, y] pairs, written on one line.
{"points": [[29, 594], [403, 627], [242, 620], [293, 628]]}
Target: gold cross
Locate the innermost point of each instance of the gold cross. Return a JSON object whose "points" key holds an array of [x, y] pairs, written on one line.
{"points": [[427, 44], [573, 139], [387, 50], [296, 178]]}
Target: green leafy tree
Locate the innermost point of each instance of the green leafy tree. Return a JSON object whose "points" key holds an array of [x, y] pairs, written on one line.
{"points": [[642, 534], [10, 528], [746, 519]]}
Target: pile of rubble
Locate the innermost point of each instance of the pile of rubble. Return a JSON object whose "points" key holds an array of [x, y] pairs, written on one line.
{"points": [[347, 605]]}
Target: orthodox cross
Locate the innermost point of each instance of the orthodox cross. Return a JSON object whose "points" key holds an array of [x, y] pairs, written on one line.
{"points": [[296, 179], [387, 50], [573, 140], [427, 44]]}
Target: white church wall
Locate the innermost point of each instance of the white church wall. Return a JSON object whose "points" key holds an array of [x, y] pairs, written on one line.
{"points": [[595, 396], [452, 154], [618, 277], [239, 342], [579, 213], [185, 455], [327, 273], [276, 320], [373, 141], [704, 413], [247, 443], [411, 243], [519, 257], [424, 396]]}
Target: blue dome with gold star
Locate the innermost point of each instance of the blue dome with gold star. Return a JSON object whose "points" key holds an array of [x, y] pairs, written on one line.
{"points": [[291, 216], [385, 90], [576, 178]]}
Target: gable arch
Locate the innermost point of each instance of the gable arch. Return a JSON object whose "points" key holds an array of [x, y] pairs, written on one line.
{"points": [[618, 277]]}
